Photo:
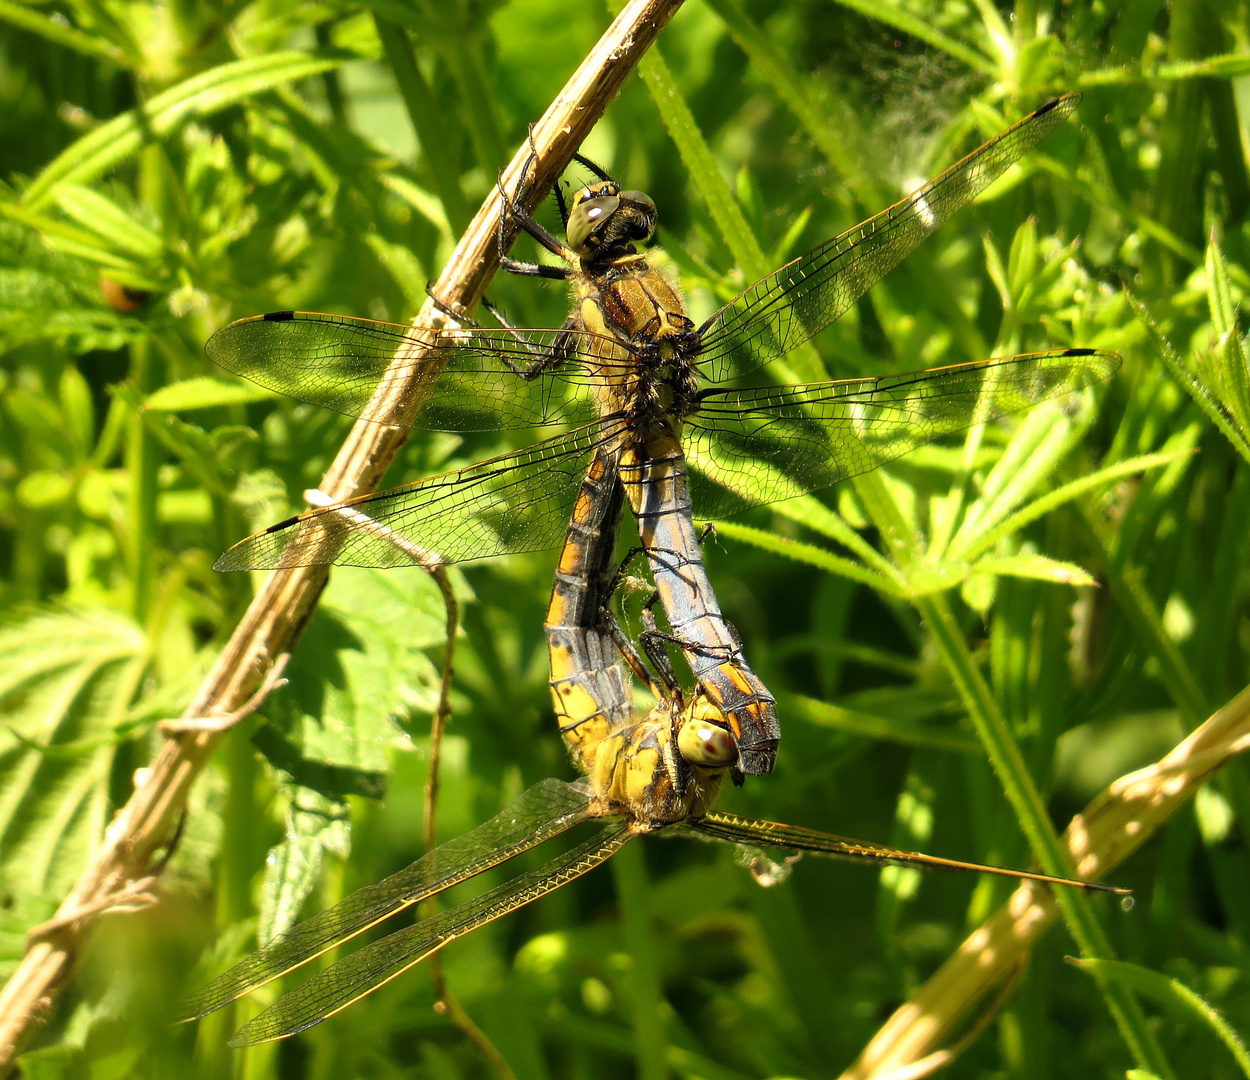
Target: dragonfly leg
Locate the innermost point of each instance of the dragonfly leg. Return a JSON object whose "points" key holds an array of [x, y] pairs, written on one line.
{"points": [[528, 224], [600, 172], [658, 679], [652, 641], [457, 312]]}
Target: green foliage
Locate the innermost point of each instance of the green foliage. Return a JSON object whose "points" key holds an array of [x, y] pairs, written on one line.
{"points": [[966, 646]]}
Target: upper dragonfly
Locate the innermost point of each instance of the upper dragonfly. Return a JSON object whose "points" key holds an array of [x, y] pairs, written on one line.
{"points": [[660, 771], [636, 368]]}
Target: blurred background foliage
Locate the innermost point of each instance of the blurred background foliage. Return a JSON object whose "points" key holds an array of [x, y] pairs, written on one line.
{"points": [[324, 156]]}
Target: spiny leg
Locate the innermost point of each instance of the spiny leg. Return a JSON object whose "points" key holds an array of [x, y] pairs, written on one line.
{"points": [[510, 210]]}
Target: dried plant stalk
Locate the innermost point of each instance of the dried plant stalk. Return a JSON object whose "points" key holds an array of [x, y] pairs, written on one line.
{"points": [[1114, 825], [285, 602]]}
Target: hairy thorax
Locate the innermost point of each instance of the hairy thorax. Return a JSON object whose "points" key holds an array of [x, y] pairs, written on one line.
{"points": [[652, 377]]}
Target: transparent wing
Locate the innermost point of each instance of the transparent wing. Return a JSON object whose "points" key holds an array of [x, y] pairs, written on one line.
{"points": [[545, 810], [364, 971], [764, 444], [481, 380], [796, 302], [751, 832], [515, 502]]}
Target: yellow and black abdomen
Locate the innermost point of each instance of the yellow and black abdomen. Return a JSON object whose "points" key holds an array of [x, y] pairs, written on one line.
{"points": [[653, 475], [590, 684]]}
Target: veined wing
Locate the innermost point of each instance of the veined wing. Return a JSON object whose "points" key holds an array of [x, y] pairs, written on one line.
{"points": [[733, 829], [479, 380], [515, 502], [764, 444], [545, 810], [377, 964], [791, 305]]}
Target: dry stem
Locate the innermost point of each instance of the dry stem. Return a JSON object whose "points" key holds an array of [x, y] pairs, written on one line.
{"points": [[447, 1002], [286, 600], [1104, 834]]}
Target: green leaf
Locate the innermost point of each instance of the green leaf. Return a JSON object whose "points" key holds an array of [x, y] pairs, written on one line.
{"points": [[1220, 291], [1224, 66], [100, 215], [1037, 567], [703, 168], [201, 95], [77, 410], [59, 31], [44, 488], [1029, 461], [46, 295], [1064, 494], [315, 825], [1206, 400], [810, 554], [66, 677], [205, 392], [358, 667], [1174, 994], [872, 726], [1224, 368]]}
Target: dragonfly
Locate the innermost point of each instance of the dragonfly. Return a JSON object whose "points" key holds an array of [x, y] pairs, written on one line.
{"points": [[656, 774], [631, 373]]}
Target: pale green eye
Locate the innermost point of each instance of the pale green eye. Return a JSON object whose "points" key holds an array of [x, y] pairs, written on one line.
{"points": [[587, 217], [702, 743]]}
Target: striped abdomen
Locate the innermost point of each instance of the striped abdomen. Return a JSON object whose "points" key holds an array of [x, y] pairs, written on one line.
{"points": [[590, 684], [654, 479]]}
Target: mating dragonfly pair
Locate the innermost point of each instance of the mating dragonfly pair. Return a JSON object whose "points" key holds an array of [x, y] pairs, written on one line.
{"points": [[631, 365]]}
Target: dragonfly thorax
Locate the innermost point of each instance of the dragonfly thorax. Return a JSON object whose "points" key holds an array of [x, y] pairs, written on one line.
{"points": [[630, 302]]}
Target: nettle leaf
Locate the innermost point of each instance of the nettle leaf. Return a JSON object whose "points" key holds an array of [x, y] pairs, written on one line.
{"points": [[359, 667], [315, 824], [66, 679]]}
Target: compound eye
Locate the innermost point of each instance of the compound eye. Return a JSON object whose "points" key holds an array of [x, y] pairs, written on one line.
{"points": [[704, 743], [588, 218]]}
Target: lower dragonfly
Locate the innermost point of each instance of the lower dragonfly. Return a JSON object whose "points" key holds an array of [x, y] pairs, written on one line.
{"points": [[658, 773], [630, 357]]}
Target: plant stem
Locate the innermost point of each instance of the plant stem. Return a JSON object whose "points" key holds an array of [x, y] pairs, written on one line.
{"points": [[283, 605], [650, 1043], [1004, 754]]}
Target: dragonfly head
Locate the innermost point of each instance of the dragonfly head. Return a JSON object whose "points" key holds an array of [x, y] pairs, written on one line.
{"points": [[606, 221], [704, 740]]}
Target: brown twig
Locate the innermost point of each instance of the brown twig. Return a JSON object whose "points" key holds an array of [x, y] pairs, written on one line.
{"points": [[1104, 834], [287, 598], [224, 722], [445, 1000]]}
